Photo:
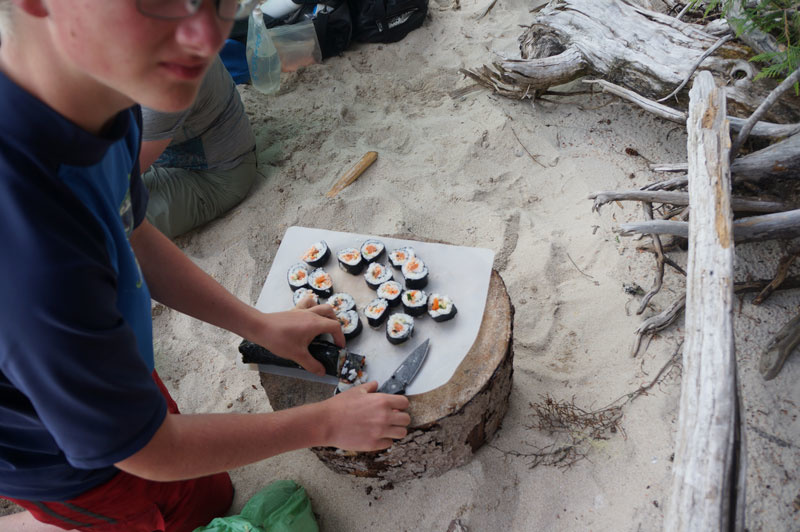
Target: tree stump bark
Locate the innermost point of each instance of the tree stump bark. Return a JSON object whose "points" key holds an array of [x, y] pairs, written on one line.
{"points": [[449, 423]]}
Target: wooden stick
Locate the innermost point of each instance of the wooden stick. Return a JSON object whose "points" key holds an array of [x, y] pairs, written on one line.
{"points": [[766, 227], [353, 174], [762, 110], [779, 349], [708, 52], [682, 198], [783, 271], [703, 476], [659, 252], [760, 129]]}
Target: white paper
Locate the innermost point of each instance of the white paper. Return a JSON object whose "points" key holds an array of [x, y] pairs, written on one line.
{"points": [[462, 273]]}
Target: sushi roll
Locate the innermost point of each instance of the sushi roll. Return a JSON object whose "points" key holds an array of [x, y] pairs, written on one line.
{"points": [[376, 312], [377, 274], [441, 307], [390, 291], [298, 276], [415, 302], [399, 256], [415, 273], [351, 324], [341, 302], [350, 260], [317, 255], [352, 372], [399, 328], [372, 250], [301, 293], [320, 282]]}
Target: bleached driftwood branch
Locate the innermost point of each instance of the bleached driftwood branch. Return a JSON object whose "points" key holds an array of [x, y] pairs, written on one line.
{"points": [[703, 473], [765, 227], [681, 198], [779, 349], [760, 129], [648, 52]]}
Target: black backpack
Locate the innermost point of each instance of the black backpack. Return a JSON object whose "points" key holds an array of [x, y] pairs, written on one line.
{"points": [[386, 20]]}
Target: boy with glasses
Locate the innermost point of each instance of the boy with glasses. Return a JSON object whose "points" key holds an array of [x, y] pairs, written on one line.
{"points": [[89, 438]]}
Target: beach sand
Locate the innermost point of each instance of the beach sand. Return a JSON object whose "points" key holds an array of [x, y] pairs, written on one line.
{"points": [[458, 170]]}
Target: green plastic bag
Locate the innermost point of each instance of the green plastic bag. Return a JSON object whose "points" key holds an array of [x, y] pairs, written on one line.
{"points": [[283, 506]]}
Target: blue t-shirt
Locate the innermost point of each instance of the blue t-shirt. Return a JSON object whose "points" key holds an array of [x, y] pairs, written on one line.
{"points": [[76, 351]]}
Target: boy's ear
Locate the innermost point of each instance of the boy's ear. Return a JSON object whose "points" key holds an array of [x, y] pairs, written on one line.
{"points": [[34, 8]]}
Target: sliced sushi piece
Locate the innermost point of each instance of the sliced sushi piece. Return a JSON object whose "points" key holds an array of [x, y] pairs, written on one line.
{"points": [[415, 302], [399, 256], [302, 293], [372, 250], [352, 372], [320, 282], [341, 302], [415, 273], [377, 274], [441, 307], [317, 255], [297, 276], [390, 291], [350, 260], [351, 324], [399, 328], [376, 312]]}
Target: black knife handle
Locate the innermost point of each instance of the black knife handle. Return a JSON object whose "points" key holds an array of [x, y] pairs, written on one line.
{"points": [[325, 352]]}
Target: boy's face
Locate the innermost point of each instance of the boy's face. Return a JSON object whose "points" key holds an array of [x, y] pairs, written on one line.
{"points": [[157, 63]]}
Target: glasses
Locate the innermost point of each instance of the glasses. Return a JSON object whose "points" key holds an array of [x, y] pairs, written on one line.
{"points": [[176, 9]]}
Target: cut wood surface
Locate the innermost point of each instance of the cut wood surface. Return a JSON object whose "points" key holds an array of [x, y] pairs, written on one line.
{"points": [[703, 473]]}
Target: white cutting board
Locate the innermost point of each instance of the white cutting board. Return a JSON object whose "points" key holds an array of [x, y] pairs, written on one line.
{"points": [[462, 273]]}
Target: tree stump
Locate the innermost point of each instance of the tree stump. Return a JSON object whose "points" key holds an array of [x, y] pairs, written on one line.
{"points": [[448, 423]]}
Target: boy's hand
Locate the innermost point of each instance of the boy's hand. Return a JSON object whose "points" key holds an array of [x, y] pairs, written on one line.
{"points": [[361, 420], [288, 334]]}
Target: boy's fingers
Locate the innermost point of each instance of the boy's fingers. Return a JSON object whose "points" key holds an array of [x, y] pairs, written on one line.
{"points": [[305, 303], [324, 310], [335, 329], [312, 364]]}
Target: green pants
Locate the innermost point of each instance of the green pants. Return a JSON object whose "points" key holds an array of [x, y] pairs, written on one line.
{"points": [[181, 199]]}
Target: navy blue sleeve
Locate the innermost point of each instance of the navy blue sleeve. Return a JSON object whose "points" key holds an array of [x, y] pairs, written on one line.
{"points": [[63, 342]]}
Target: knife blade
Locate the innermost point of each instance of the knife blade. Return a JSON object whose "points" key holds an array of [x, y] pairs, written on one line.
{"points": [[406, 371]]}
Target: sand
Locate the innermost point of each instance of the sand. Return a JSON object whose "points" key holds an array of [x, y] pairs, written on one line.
{"points": [[457, 170]]}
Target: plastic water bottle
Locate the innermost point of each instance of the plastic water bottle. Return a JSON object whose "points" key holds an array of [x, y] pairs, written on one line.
{"points": [[262, 56], [278, 8]]}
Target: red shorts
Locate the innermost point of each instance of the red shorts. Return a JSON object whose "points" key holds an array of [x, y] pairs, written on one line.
{"points": [[132, 504]]}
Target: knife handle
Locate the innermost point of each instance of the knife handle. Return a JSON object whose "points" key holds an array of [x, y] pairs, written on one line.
{"points": [[325, 352]]}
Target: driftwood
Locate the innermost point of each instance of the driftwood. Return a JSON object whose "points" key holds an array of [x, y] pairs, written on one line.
{"points": [[703, 473], [779, 349], [765, 227], [760, 129], [648, 52], [682, 198], [668, 316]]}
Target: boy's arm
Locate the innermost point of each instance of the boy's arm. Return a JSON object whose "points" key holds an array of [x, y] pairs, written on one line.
{"points": [[189, 446], [175, 281]]}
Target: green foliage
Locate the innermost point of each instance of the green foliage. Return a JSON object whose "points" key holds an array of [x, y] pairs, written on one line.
{"points": [[779, 18]]}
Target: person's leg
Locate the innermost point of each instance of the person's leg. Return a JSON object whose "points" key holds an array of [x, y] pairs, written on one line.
{"points": [[181, 200]]}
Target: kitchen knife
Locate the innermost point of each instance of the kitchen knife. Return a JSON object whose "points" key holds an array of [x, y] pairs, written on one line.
{"points": [[406, 372]]}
